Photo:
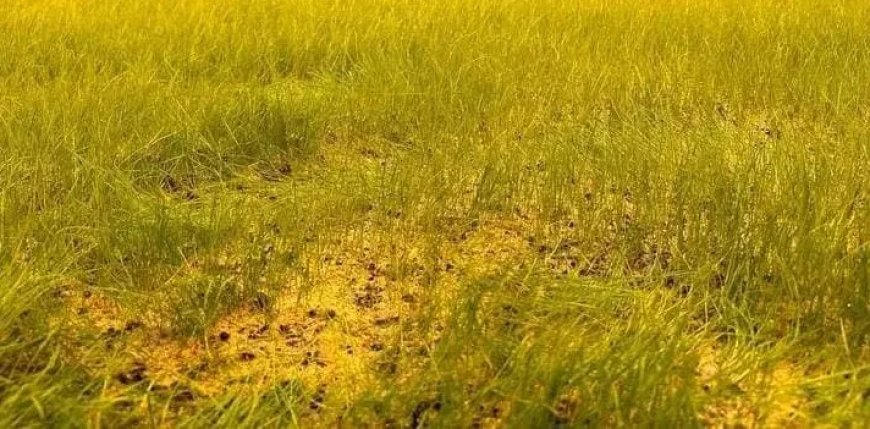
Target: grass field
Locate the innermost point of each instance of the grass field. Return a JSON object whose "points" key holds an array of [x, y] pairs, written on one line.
{"points": [[457, 213]]}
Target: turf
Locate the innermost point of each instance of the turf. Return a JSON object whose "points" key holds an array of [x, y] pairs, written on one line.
{"points": [[391, 213]]}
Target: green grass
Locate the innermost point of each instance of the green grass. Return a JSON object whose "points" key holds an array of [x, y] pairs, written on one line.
{"points": [[528, 213]]}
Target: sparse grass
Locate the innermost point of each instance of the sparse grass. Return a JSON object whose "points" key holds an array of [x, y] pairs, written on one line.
{"points": [[389, 213]]}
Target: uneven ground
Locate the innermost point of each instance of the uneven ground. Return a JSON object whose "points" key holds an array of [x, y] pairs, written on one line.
{"points": [[373, 213]]}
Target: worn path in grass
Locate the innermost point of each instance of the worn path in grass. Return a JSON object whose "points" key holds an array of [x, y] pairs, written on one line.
{"points": [[368, 316]]}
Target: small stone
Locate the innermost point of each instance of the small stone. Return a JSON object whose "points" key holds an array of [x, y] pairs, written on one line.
{"points": [[134, 375], [132, 325], [184, 395], [169, 184]]}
